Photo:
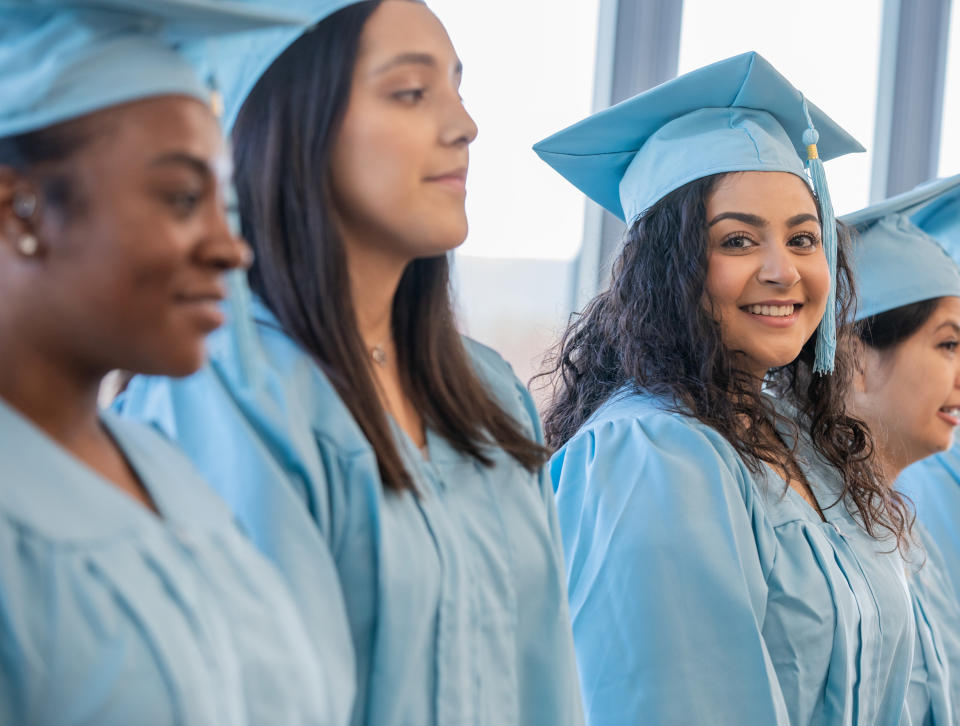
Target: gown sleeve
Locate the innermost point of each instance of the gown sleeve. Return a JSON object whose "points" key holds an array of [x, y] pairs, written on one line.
{"points": [[667, 556], [257, 450]]}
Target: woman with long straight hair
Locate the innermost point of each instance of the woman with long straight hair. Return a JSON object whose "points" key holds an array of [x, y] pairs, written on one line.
{"points": [[347, 415], [906, 388], [127, 593], [732, 553]]}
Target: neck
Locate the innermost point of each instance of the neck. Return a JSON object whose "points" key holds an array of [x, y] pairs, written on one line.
{"points": [[374, 279], [891, 458], [50, 391]]}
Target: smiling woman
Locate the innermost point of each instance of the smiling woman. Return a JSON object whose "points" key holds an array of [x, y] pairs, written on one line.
{"points": [[907, 389], [732, 554], [113, 248]]}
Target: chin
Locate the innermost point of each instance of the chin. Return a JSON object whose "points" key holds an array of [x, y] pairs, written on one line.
{"points": [[174, 363]]}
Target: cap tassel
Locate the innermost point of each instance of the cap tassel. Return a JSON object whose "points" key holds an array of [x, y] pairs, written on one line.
{"points": [[826, 349], [239, 297]]}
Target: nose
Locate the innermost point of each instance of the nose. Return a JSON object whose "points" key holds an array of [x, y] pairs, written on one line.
{"points": [[778, 267], [459, 128], [221, 248]]}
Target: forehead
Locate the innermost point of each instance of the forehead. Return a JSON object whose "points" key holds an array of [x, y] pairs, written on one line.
{"points": [[947, 311], [769, 194], [140, 130], [403, 26]]}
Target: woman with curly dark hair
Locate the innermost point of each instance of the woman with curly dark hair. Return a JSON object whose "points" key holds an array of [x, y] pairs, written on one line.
{"points": [[732, 554]]}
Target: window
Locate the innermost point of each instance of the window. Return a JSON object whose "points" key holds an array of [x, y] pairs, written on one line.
{"points": [[528, 72], [950, 129], [828, 49]]}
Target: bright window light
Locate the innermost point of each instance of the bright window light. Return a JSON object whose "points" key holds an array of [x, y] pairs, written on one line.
{"points": [[829, 49], [528, 71], [950, 129]]}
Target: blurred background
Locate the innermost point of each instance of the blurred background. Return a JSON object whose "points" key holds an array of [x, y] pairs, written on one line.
{"points": [[887, 70]]}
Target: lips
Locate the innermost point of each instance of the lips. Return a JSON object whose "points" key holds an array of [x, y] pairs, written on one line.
{"points": [[773, 308], [950, 414], [455, 179]]}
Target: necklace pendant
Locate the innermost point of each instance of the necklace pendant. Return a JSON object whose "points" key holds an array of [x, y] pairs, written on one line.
{"points": [[379, 355]]}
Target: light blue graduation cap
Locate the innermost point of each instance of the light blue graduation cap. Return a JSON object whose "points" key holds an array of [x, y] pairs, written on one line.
{"points": [[901, 248], [62, 59], [738, 114], [239, 61]]}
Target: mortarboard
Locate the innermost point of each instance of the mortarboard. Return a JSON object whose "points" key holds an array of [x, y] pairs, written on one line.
{"points": [[738, 114], [901, 248], [63, 59]]}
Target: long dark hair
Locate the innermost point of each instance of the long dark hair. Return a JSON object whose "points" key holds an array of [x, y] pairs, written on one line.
{"points": [[282, 145], [649, 331]]}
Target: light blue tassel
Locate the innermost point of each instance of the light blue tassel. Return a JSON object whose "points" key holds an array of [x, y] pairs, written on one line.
{"points": [[246, 350], [827, 331]]}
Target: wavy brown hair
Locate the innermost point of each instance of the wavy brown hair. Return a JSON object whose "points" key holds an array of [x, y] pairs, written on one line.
{"points": [[282, 141], [650, 332]]}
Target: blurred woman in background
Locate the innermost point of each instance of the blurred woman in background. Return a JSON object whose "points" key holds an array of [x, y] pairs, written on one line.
{"points": [[127, 594]]}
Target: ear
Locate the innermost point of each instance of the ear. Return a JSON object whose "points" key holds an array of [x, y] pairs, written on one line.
{"points": [[19, 207]]}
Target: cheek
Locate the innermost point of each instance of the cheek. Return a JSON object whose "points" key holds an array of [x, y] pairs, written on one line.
{"points": [[815, 274], [727, 277], [375, 163]]}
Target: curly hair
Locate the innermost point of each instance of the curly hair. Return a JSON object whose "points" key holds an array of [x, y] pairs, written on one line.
{"points": [[650, 332]]}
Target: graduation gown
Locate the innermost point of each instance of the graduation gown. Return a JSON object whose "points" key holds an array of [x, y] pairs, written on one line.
{"points": [[702, 593], [934, 692], [111, 615], [934, 486], [456, 598]]}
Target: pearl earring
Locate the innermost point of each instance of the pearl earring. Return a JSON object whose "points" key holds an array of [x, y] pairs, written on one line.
{"points": [[28, 245]]}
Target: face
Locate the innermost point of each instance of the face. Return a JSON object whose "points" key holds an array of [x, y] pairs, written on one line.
{"points": [[399, 165], [129, 276], [767, 275], [910, 395]]}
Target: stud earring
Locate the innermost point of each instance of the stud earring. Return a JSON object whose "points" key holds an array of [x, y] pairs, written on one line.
{"points": [[24, 205], [28, 245]]}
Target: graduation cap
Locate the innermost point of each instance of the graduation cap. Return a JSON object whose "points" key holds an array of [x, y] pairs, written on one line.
{"points": [[240, 60], [901, 248], [62, 59], [738, 114]]}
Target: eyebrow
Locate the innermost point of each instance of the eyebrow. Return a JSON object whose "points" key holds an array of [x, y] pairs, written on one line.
{"points": [[948, 324], [759, 222], [179, 158], [422, 59]]}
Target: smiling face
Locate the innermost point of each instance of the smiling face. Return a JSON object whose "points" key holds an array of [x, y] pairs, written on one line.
{"points": [[399, 165], [767, 276], [909, 394], [129, 274]]}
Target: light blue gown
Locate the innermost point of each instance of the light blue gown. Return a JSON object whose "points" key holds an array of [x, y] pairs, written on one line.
{"points": [[934, 486], [701, 594], [456, 598], [110, 615], [934, 693]]}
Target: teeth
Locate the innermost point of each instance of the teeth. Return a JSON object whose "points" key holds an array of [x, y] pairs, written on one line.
{"points": [[955, 411], [774, 311]]}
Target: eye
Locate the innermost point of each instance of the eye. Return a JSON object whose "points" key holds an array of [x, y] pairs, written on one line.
{"points": [[737, 242], [411, 96], [949, 345], [184, 203], [805, 240]]}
